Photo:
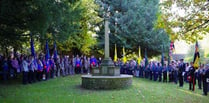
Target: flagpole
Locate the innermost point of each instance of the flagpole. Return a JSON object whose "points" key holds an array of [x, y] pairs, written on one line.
{"points": [[32, 45]]}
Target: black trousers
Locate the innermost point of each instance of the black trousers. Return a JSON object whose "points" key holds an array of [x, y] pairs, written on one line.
{"points": [[155, 76], [77, 70], [25, 77], [46, 74], [191, 84], [170, 77], [39, 75], [150, 75], [160, 77], [181, 82], [145, 74], [199, 80], [175, 77], [52, 72], [30, 76], [164, 76], [85, 70], [5, 75], [205, 87], [34, 75]]}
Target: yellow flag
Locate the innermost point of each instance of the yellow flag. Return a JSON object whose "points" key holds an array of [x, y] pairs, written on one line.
{"points": [[124, 56], [139, 58], [115, 56], [196, 63], [196, 56]]}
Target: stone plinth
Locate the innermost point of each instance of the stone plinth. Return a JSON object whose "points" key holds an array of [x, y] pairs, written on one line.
{"points": [[106, 82], [107, 68]]}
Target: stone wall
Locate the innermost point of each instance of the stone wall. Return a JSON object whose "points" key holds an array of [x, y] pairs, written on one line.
{"points": [[106, 83]]}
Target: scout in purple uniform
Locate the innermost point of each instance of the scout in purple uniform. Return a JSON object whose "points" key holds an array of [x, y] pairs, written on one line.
{"points": [[40, 70], [51, 62], [25, 70], [77, 65], [44, 68], [93, 62], [5, 68]]}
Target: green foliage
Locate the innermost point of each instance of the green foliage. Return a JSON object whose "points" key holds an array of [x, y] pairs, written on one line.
{"points": [[184, 19], [190, 54], [132, 25], [207, 55], [81, 39], [69, 22]]}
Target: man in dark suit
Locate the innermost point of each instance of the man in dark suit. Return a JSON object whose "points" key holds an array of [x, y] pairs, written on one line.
{"points": [[182, 67], [191, 75]]}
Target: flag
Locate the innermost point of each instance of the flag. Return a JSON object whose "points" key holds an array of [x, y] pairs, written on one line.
{"points": [[32, 46], [47, 56], [139, 58], [115, 56], [162, 57], [196, 56], [146, 59], [171, 49], [124, 56], [55, 52]]}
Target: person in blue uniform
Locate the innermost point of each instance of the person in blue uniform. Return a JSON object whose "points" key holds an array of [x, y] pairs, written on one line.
{"points": [[199, 76], [141, 71], [5, 67], [159, 69], [206, 80], [51, 63], [122, 69], [77, 65], [93, 63], [25, 70], [182, 68], [170, 73], [137, 68], [40, 70], [150, 71], [155, 72], [175, 73], [164, 73]]}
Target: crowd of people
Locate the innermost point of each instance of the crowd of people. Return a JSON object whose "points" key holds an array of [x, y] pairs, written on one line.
{"points": [[39, 68], [177, 72]]}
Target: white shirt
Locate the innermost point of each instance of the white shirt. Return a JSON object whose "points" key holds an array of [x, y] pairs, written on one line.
{"points": [[25, 66], [187, 68]]}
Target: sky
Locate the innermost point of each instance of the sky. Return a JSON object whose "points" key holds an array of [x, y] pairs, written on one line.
{"points": [[181, 47]]}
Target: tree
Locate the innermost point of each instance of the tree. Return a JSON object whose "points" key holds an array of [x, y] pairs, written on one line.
{"points": [[63, 21], [132, 25], [184, 19], [81, 39]]}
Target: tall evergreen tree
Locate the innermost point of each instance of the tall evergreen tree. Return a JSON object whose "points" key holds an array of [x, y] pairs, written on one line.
{"points": [[132, 24]]}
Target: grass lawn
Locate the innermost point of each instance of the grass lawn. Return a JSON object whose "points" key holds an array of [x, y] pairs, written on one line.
{"points": [[67, 90]]}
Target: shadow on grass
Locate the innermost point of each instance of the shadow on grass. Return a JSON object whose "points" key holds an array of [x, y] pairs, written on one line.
{"points": [[13, 81]]}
